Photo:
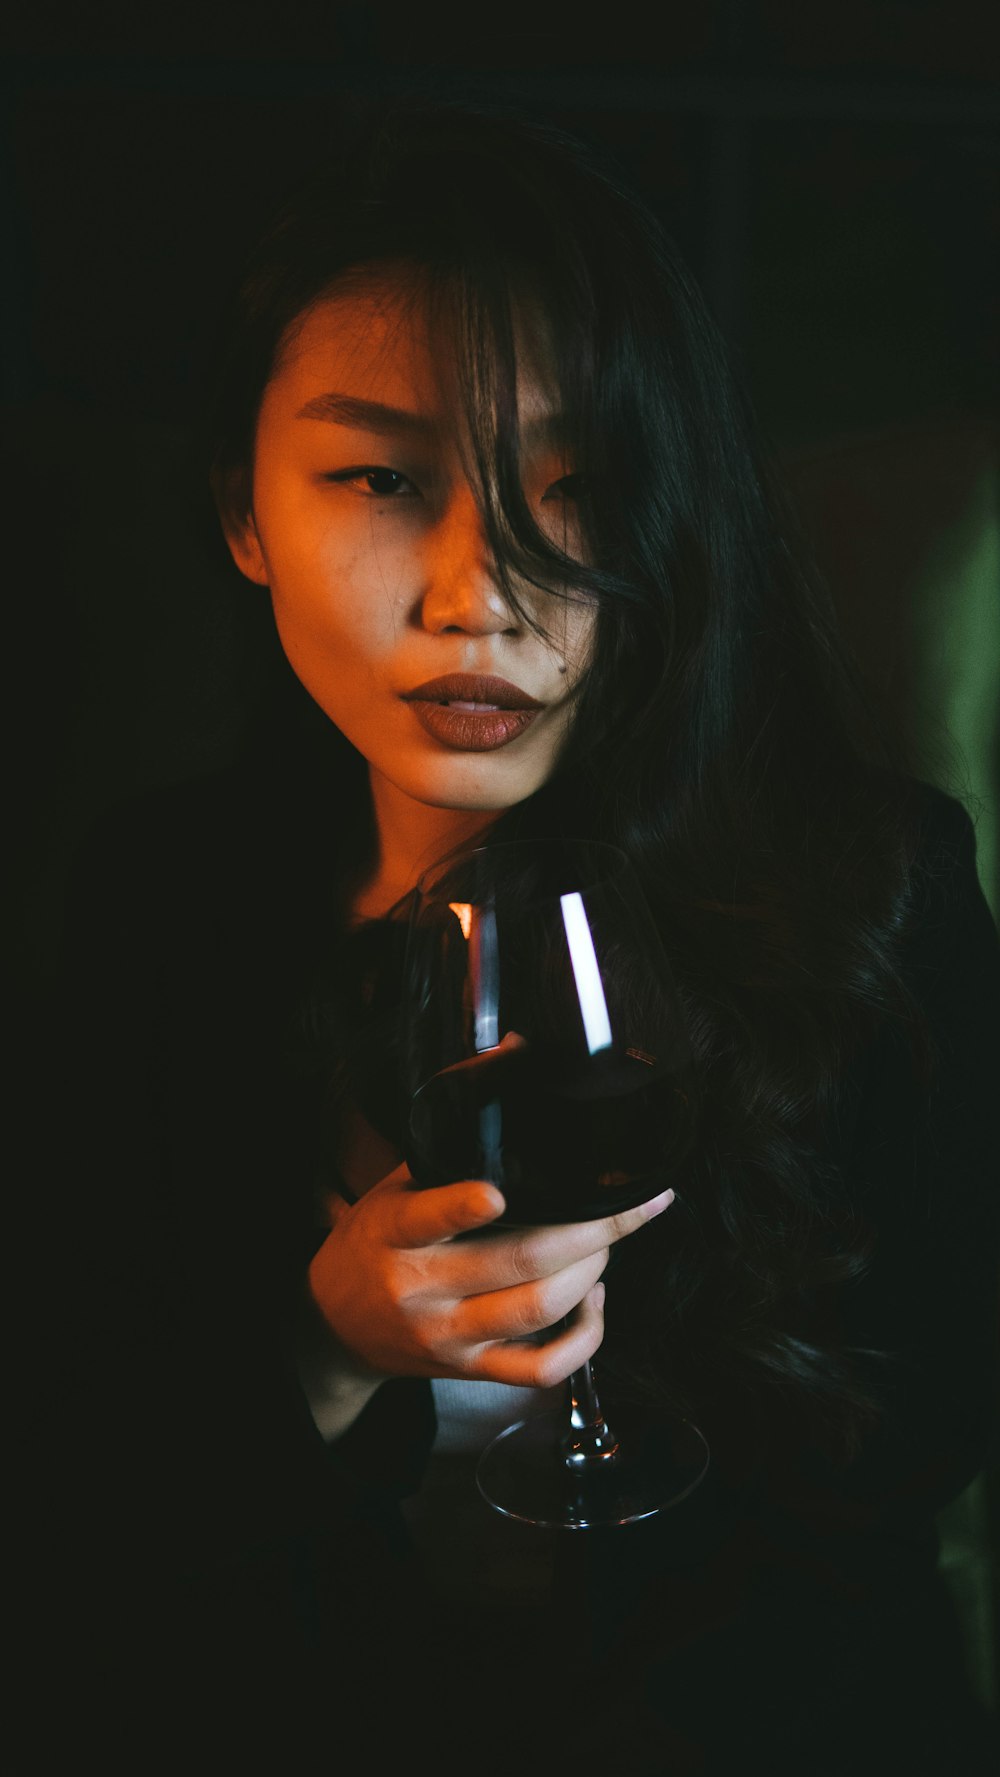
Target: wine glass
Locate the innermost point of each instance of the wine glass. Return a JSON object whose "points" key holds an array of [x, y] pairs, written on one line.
{"points": [[543, 1047]]}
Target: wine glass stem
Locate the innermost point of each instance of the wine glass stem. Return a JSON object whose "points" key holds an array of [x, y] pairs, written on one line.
{"points": [[590, 1439]]}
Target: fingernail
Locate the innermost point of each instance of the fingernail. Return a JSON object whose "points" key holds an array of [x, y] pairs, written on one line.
{"points": [[599, 1294], [656, 1205]]}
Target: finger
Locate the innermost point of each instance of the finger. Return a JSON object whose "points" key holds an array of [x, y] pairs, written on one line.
{"points": [[424, 1217], [541, 1366], [524, 1255], [628, 1221], [527, 1309]]}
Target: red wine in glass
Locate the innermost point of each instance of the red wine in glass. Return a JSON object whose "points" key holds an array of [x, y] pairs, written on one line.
{"points": [[544, 1048], [564, 1145]]}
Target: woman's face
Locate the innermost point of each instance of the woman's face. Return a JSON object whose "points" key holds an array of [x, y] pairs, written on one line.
{"points": [[365, 528]]}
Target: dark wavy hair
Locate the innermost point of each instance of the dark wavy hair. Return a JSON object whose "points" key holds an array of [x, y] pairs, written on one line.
{"points": [[723, 736]]}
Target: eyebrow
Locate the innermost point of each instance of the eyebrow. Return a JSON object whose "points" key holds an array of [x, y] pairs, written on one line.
{"points": [[375, 416]]}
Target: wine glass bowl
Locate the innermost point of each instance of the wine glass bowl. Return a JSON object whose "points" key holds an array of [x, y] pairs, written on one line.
{"points": [[544, 1047], [540, 1050]]}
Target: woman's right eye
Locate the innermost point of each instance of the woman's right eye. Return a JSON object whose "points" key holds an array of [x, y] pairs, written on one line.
{"points": [[383, 484]]}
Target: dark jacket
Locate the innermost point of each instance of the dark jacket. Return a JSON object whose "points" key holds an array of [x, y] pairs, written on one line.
{"points": [[201, 1563]]}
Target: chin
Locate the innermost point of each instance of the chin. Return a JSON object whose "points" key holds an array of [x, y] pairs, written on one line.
{"points": [[470, 804], [466, 798]]}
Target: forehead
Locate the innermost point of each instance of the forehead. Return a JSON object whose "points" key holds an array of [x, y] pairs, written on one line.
{"points": [[383, 340]]}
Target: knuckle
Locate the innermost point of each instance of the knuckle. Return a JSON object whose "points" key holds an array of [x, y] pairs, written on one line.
{"points": [[412, 1277], [442, 1326], [525, 1314], [478, 1365], [547, 1303], [427, 1343], [523, 1258]]}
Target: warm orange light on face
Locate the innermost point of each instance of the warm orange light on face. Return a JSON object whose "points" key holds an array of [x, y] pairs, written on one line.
{"points": [[463, 913], [381, 575]]}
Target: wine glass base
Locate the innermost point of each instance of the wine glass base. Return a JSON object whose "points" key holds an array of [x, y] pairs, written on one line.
{"points": [[523, 1475]]}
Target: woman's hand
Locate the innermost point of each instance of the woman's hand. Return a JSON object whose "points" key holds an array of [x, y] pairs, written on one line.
{"points": [[400, 1296]]}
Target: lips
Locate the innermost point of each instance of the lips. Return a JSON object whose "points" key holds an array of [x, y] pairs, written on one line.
{"points": [[473, 688], [472, 712]]}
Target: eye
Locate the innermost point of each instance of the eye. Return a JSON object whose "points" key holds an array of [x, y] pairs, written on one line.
{"points": [[382, 483], [570, 487]]}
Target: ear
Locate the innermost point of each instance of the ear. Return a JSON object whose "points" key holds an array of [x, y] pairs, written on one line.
{"points": [[231, 492]]}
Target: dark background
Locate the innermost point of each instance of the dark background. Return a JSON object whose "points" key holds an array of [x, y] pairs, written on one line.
{"points": [[831, 174]]}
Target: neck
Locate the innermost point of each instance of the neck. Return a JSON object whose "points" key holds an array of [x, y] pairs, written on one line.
{"points": [[411, 837]]}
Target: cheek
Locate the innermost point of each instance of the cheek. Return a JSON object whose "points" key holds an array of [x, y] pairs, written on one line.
{"points": [[335, 574], [322, 585], [339, 630], [575, 630]]}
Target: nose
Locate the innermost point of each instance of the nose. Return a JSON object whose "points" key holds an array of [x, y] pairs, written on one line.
{"points": [[462, 590]]}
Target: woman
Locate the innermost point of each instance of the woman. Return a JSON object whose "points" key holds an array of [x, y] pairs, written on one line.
{"points": [[473, 430]]}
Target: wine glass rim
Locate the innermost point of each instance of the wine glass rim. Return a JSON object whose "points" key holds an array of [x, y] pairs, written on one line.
{"points": [[467, 854]]}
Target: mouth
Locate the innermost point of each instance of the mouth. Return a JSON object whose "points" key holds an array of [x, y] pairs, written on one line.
{"points": [[472, 712], [472, 691]]}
